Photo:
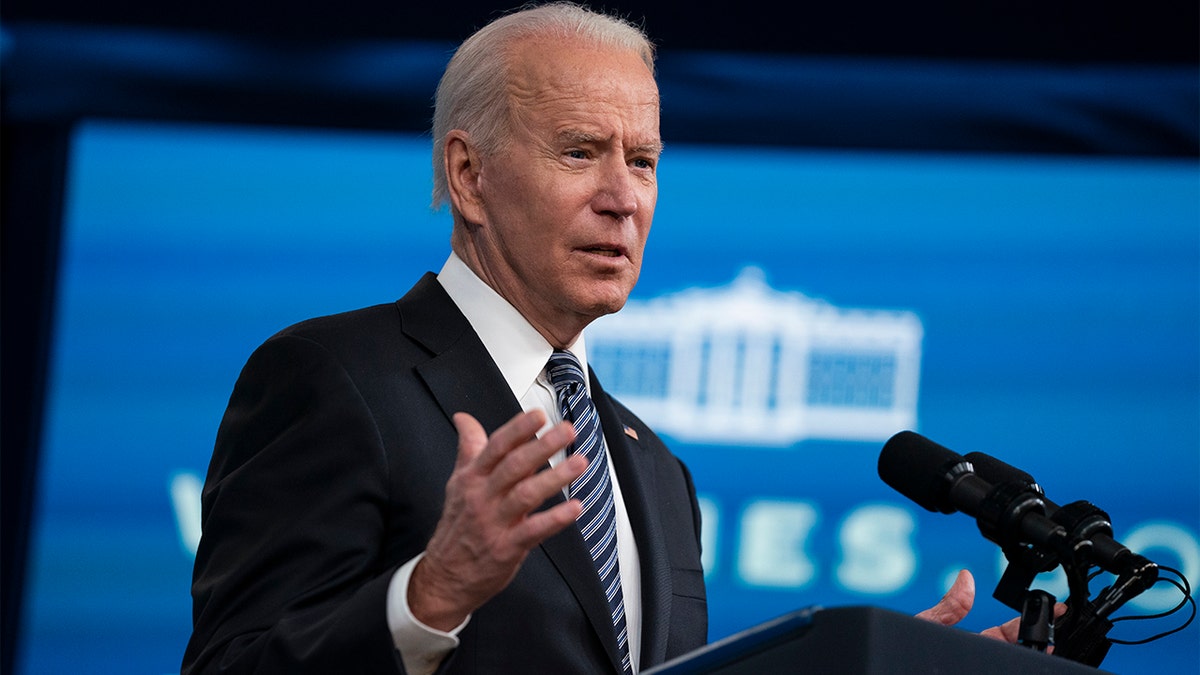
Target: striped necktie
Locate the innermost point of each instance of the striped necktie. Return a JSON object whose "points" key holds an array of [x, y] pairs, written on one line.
{"points": [[598, 521]]}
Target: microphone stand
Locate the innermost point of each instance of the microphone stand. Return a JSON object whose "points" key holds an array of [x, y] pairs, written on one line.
{"points": [[1037, 628], [1086, 624], [1081, 633], [1037, 621]]}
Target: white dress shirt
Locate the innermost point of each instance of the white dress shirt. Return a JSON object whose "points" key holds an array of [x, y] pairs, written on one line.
{"points": [[521, 354]]}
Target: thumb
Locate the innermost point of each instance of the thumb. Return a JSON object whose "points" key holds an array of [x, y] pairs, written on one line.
{"points": [[471, 438], [955, 604]]}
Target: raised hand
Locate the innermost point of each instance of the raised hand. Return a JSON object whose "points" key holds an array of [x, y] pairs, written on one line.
{"points": [[489, 523]]}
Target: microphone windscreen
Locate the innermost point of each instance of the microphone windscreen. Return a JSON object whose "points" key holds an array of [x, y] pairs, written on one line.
{"points": [[921, 470]]}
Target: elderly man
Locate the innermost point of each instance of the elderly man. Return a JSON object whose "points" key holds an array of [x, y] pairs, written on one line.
{"points": [[438, 484]]}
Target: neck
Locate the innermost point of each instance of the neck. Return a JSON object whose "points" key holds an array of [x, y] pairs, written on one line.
{"points": [[559, 331]]}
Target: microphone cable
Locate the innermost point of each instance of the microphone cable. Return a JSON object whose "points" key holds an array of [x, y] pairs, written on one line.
{"points": [[1184, 588]]}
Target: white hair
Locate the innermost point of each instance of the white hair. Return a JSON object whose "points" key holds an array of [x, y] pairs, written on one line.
{"points": [[472, 93]]}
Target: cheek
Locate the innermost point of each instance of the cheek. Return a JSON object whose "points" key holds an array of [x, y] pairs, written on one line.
{"points": [[507, 192], [510, 202], [546, 201], [645, 217], [644, 221]]}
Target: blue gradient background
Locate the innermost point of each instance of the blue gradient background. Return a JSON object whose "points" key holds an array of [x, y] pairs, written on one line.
{"points": [[1060, 299]]}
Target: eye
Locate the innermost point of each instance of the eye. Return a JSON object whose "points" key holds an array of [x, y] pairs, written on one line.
{"points": [[644, 163], [576, 153]]}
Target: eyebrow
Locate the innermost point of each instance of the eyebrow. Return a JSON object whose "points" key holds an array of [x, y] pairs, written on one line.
{"points": [[655, 148], [578, 136]]}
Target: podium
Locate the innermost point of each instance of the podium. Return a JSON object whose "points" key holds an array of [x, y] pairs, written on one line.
{"points": [[862, 640]]}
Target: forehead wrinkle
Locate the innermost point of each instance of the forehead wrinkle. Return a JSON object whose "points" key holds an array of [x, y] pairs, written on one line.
{"points": [[582, 129], [531, 86]]}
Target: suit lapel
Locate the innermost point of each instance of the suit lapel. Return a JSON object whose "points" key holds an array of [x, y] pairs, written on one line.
{"points": [[462, 376], [636, 474], [570, 557]]}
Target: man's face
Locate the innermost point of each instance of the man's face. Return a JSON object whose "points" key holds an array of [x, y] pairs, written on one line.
{"points": [[567, 202]]}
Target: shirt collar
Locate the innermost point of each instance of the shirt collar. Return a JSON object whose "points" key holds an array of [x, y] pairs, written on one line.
{"points": [[514, 344]]}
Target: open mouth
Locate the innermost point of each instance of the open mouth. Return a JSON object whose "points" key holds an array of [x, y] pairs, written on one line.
{"points": [[604, 251]]}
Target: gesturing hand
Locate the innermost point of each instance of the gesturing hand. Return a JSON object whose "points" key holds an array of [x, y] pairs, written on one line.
{"points": [[955, 604], [957, 601], [488, 524]]}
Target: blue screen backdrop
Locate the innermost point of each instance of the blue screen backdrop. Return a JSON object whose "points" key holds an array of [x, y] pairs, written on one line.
{"points": [[1045, 309]]}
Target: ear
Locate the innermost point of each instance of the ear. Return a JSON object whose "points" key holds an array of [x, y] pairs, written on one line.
{"points": [[463, 165]]}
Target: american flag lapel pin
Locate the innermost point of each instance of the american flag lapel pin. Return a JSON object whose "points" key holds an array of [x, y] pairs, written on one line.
{"points": [[630, 432]]}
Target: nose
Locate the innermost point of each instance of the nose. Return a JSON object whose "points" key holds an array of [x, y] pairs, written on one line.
{"points": [[617, 190]]}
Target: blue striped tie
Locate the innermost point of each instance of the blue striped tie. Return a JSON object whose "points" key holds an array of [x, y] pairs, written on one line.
{"points": [[598, 521]]}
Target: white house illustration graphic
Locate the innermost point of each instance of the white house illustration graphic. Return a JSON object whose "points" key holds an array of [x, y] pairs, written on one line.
{"points": [[746, 364]]}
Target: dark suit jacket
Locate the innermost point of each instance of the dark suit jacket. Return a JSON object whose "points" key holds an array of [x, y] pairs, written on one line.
{"points": [[329, 473]]}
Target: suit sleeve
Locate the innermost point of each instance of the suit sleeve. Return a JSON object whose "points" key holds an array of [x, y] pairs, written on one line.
{"points": [[290, 576]]}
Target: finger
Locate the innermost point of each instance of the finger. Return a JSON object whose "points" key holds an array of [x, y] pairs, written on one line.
{"points": [[955, 604], [529, 458], [530, 493], [1008, 631], [520, 429], [472, 439], [544, 524]]}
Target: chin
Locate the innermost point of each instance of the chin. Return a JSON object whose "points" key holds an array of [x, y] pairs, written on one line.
{"points": [[608, 305], [603, 297]]}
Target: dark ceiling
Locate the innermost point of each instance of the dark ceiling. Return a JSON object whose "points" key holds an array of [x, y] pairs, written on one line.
{"points": [[1072, 31]]}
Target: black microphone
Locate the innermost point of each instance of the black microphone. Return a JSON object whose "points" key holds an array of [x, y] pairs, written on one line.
{"points": [[1081, 519], [927, 473], [1008, 507], [939, 479], [995, 471]]}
